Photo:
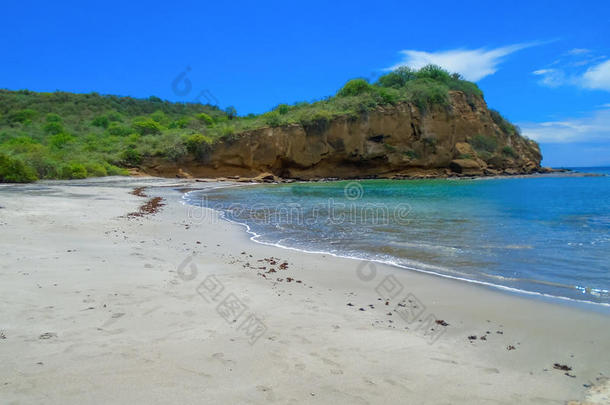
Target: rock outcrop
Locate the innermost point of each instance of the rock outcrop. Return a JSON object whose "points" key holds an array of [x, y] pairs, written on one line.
{"points": [[386, 142]]}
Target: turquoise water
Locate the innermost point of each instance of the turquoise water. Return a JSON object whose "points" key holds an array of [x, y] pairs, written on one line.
{"points": [[548, 235]]}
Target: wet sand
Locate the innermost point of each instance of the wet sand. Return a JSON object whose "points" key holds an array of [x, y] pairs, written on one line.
{"points": [[176, 305]]}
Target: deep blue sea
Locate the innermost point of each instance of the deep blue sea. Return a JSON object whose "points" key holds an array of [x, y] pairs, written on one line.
{"points": [[547, 235]]}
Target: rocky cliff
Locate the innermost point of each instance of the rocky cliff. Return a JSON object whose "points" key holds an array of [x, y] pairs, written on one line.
{"points": [[391, 141]]}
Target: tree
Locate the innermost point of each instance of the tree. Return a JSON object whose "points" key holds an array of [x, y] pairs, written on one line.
{"points": [[231, 112], [397, 78]]}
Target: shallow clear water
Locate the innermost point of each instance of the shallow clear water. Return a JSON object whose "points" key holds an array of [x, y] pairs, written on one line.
{"points": [[547, 235]]}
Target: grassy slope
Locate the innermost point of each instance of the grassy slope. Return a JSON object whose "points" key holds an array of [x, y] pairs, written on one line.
{"points": [[63, 135]]}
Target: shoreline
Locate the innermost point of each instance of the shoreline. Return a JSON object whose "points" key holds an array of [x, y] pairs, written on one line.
{"points": [[100, 300], [498, 287], [416, 174], [254, 237]]}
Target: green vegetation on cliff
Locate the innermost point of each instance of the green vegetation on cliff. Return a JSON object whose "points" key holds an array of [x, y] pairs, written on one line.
{"points": [[65, 136]]}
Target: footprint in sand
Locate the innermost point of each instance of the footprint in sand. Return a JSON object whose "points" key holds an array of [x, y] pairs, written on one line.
{"points": [[47, 335], [221, 357]]}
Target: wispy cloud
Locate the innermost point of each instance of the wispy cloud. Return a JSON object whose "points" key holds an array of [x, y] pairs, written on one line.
{"points": [[551, 77], [578, 51], [578, 67], [594, 127], [473, 64]]}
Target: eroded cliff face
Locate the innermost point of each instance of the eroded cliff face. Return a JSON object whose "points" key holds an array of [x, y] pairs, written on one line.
{"points": [[391, 141]]}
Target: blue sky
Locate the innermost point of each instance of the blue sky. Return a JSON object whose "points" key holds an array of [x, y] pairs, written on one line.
{"points": [[544, 64]]}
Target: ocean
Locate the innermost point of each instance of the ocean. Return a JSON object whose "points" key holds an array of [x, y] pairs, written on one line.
{"points": [[546, 235]]}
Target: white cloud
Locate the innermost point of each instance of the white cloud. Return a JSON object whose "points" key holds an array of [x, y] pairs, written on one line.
{"points": [[551, 77], [473, 64], [577, 67], [597, 77], [595, 127], [578, 51]]}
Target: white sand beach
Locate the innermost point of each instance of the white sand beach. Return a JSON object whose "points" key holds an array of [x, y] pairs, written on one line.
{"points": [[180, 306]]}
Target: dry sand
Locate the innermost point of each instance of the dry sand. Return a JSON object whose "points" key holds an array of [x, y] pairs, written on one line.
{"points": [[100, 307]]}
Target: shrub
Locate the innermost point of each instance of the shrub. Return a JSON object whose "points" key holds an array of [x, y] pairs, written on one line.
{"points": [[22, 116], [160, 117], [73, 171], [101, 121], [53, 128], [272, 118], [52, 117], [96, 169], [147, 126], [227, 130], [114, 116], [435, 73], [180, 123], [199, 145], [426, 92], [172, 146], [205, 118], [44, 165], [133, 139], [469, 88], [13, 170], [131, 157], [354, 87], [283, 109], [484, 143], [484, 155], [509, 151], [113, 170], [503, 123], [21, 144], [397, 78], [388, 95], [60, 140], [317, 119], [117, 129]]}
